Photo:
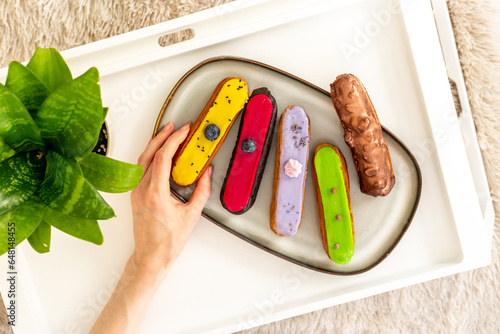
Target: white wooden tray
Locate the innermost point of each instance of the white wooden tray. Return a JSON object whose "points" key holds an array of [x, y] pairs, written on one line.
{"points": [[222, 283]]}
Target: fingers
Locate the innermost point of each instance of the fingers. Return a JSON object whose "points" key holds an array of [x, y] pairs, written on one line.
{"points": [[202, 191], [162, 162], [154, 145]]}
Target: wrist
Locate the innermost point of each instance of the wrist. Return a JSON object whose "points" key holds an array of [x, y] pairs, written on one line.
{"points": [[145, 269]]}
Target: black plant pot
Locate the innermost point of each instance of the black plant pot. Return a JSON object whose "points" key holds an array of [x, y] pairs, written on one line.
{"points": [[102, 144]]}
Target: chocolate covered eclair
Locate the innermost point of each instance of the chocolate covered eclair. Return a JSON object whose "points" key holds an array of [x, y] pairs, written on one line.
{"points": [[363, 134]]}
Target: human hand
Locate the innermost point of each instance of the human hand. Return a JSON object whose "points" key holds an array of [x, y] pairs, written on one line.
{"points": [[163, 225]]}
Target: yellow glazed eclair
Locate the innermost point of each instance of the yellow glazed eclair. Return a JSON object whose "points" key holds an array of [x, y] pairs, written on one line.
{"points": [[209, 131]]}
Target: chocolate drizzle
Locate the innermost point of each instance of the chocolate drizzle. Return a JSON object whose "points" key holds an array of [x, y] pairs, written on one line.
{"points": [[363, 134]]}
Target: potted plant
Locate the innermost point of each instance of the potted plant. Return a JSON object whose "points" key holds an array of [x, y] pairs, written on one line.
{"points": [[49, 176]]}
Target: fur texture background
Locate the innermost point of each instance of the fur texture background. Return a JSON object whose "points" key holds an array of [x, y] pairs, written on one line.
{"points": [[463, 303]]}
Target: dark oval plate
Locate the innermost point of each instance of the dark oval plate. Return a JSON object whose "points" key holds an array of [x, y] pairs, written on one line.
{"points": [[379, 223]]}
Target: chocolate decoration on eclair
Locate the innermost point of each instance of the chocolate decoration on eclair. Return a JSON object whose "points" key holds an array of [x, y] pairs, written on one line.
{"points": [[363, 134]]}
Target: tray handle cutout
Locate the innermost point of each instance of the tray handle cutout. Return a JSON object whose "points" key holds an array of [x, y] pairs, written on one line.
{"points": [[176, 37]]}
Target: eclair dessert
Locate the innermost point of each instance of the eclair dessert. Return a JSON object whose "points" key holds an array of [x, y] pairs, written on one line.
{"points": [[292, 155], [250, 153], [363, 134], [331, 184], [209, 131]]}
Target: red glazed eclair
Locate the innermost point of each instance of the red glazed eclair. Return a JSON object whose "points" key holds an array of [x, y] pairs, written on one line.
{"points": [[250, 153]]}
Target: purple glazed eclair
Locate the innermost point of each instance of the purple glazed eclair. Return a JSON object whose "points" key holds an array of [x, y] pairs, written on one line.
{"points": [[292, 155]]}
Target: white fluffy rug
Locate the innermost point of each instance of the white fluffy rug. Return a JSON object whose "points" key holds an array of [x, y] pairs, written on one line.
{"points": [[464, 303]]}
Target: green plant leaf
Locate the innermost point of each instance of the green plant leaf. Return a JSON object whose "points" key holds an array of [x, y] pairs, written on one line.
{"points": [[71, 117], [23, 220], [20, 176], [5, 150], [85, 229], [25, 84], [17, 128], [40, 238], [110, 175], [50, 67], [65, 189], [104, 113]]}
